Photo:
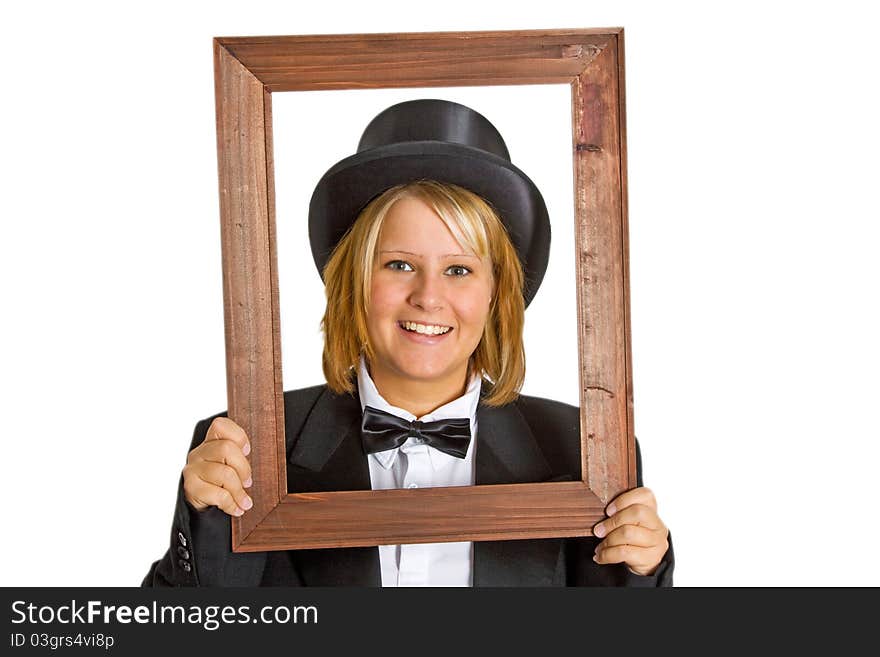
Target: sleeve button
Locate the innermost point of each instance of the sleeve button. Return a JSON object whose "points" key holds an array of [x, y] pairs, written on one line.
{"points": [[185, 565], [181, 538], [183, 552]]}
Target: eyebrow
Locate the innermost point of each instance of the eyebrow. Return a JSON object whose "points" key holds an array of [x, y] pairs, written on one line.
{"points": [[445, 255]]}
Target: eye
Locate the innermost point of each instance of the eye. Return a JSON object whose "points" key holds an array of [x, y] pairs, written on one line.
{"points": [[399, 265], [458, 270]]}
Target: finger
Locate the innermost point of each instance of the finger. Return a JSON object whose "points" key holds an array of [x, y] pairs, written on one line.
{"points": [[202, 494], [226, 478], [641, 495], [192, 488], [636, 514], [226, 452], [633, 535], [224, 428], [221, 498], [637, 558]]}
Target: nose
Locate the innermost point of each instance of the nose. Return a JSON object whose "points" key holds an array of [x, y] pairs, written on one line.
{"points": [[427, 292]]}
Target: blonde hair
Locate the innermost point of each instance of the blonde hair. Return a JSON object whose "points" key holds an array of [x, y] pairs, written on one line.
{"points": [[499, 356]]}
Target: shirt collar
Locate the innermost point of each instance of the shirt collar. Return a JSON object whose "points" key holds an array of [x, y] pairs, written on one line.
{"points": [[464, 406]]}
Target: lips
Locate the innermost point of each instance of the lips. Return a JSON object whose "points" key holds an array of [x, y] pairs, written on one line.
{"points": [[424, 328], [424, 338]]}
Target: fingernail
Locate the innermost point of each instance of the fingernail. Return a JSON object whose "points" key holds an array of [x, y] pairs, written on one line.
{"points": [[237, 512], [247, 449], [248, 482], [599, 530], [247, 503], [596, 557], [611, 510]]}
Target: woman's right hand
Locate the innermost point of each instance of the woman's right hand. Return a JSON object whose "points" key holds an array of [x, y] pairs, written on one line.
{"points": [[217, 472]]}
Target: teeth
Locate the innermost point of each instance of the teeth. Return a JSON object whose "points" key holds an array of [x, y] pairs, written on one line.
{"points": [[426, 329]]}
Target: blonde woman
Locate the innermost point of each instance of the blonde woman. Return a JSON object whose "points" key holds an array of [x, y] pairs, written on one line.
{"points": [[431, 244]]}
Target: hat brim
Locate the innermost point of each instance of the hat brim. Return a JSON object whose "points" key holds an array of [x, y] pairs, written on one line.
{"points": [[350, 184]]}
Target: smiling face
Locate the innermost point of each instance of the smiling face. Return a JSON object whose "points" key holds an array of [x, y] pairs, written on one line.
{"points": [[429, 302]]}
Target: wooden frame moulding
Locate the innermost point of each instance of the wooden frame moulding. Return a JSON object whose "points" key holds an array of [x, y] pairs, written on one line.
{"points": [[248, 70]]}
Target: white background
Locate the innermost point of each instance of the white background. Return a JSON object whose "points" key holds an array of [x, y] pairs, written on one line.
{"points": [[752, 141]]}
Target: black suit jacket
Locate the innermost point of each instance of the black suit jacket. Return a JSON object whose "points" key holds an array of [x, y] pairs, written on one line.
{"points": [[325, 454]]}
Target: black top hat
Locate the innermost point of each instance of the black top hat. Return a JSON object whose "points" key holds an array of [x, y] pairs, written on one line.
{"points": [[436, 140]]}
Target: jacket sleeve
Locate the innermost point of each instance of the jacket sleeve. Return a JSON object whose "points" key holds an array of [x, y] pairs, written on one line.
{"points": [[200, 552], [663, 575], [586, 572]]}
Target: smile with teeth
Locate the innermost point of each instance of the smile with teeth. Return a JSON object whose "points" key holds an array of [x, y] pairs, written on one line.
{"points": [[426, 329]]}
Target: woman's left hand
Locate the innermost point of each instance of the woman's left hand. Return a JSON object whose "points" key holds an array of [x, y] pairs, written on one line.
{"points": [[633, 532]]}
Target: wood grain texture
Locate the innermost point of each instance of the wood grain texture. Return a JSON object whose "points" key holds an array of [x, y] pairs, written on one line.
{"points": [[247, 70], [250, 284], [624, 256], [470, 513], [602, 285], [280, 438], [353, 61]]}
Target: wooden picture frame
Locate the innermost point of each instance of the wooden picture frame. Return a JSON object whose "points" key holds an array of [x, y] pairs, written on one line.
{"points": [[248, 70]]}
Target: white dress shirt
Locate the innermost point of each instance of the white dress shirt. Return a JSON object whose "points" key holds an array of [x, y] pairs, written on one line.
{"points": [[416, 465]]}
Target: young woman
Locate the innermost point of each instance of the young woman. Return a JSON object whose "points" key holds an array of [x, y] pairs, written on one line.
{"points": [[431, 244]]}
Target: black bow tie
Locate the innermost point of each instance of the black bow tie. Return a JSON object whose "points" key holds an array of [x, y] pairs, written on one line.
{"points": [[382, 431]]}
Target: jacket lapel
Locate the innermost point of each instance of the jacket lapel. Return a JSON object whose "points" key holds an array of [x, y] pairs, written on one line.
{"points": [[328, 456], [507, 453]]}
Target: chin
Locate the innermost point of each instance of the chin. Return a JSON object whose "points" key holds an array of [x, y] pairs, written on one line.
{"points": [[425, 372]]}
